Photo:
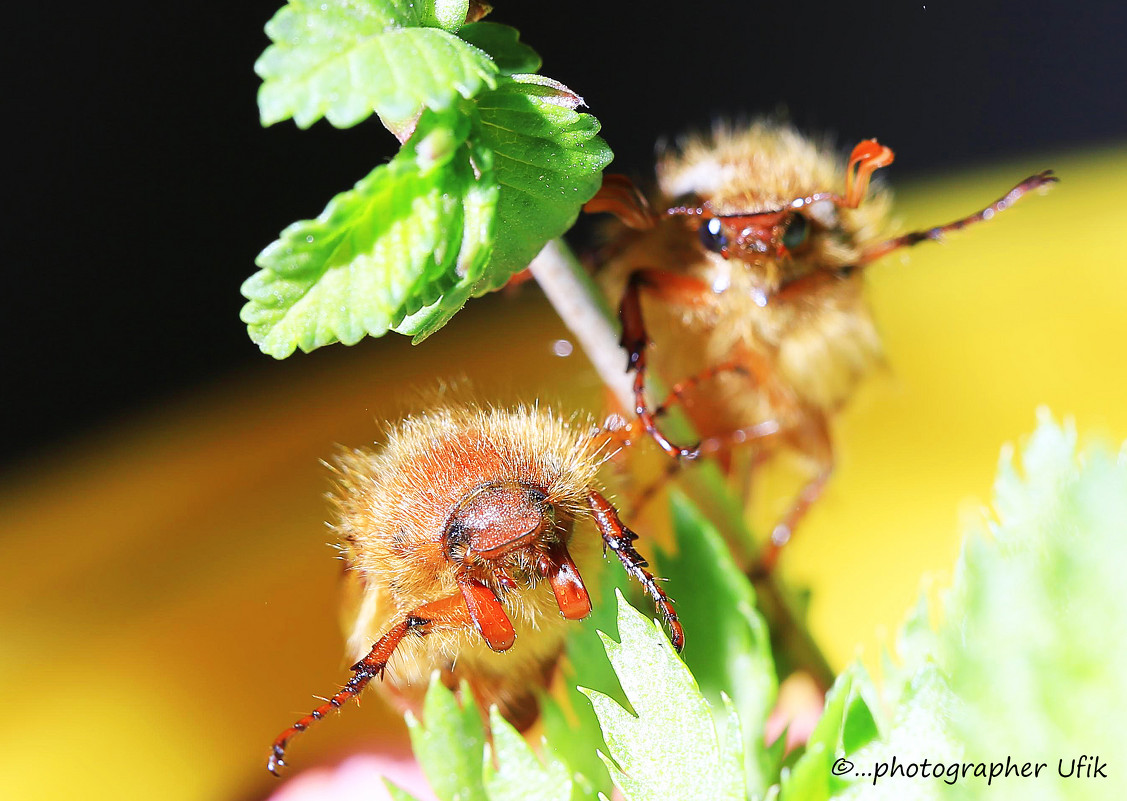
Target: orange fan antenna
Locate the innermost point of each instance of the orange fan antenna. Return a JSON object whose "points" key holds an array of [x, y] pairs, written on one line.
{"points": [[868, 156]]}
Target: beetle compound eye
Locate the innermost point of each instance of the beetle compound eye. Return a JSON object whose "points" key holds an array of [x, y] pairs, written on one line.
{"points": [[796, 233], [712, 235]]}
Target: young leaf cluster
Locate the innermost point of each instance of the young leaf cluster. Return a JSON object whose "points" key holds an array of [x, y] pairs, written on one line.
{"points": [[495, 161]]}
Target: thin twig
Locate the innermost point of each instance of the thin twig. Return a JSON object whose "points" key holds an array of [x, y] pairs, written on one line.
{"points": [[581, 306]]}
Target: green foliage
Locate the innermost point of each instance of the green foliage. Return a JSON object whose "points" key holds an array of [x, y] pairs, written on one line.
{"points": [[449, 743], [344, 60], [520, 774], [494, 164], [1030, 650], [670, 747], [728, 651], [379, 251], [847, 725]]}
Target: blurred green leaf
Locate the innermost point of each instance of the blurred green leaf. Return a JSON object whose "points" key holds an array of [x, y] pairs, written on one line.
{"points": [[670, 747], [449, 743], [520, 775], [1029, 653], [397, 793], [503, 44], [344, 59], [1034, 637], [727, 647]]}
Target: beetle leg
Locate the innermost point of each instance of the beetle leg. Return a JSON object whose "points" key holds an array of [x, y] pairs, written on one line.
{"points": [[677, 393], [487, 615], [719, 445], [816, 444], [449, 611], [636, 341], [741, 436], [620, 539], [784, 529], [915, 237]]}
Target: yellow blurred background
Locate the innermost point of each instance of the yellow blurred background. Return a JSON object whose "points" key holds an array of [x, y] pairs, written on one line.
{"points": [[169, 602]]}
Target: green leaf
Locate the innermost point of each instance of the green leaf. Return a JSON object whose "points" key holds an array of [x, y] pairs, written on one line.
{"points": [[502, 43], [449, 743], [1024, 656], [450, 15], [669, 749], [519, 774], [728, 648], [454, 215], [344, 59], [479, 207], [847, 725], [859, 725], [548, 161], [809, 778], [408, 232], [397, 793], [571, 727], [528, 127]]}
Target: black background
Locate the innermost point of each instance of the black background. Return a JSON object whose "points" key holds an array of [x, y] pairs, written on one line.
{"points": [[143, 186]]}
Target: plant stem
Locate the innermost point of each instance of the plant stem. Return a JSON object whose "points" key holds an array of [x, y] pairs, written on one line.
{"points": [[794, 646], [581, 306]]}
